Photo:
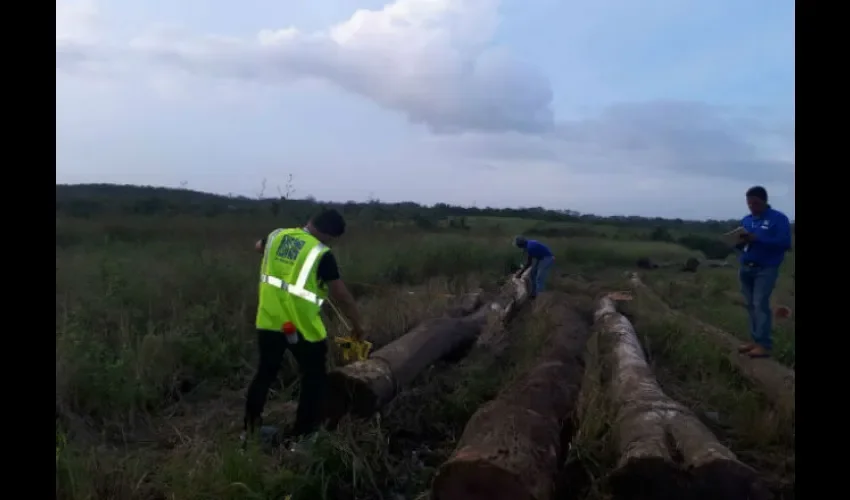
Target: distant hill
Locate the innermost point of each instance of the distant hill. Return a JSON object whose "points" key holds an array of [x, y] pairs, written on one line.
{"points": [[83, 200], [108, 193]]}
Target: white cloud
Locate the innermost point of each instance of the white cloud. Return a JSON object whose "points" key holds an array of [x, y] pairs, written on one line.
{"points": [[430, 59], [76, 22], [436, 63]]}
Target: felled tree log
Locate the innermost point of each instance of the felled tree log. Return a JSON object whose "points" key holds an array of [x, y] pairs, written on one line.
{"points": [[469, 303], [776, 381], [507, 303], [363, 387], [510, 447], [665, 451]]}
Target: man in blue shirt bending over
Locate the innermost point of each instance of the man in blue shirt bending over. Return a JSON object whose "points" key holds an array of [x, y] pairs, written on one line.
{"points": [[539, 259], [763, 245]]}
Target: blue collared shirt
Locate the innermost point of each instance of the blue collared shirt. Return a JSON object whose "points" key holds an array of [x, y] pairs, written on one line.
{"points": [[773, 238], [537, 250]]}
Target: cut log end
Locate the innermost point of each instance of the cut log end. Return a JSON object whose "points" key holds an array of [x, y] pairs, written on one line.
{"points": [[473, 477], [657, 478], [649, 478], [729, 480], [353, 390], [510, 447]]}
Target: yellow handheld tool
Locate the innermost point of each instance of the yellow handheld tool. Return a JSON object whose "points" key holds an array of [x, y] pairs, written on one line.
{"points": [[353, 350]]}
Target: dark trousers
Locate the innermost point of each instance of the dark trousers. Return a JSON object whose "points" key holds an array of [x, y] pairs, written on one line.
{"points": [[311, 358]]}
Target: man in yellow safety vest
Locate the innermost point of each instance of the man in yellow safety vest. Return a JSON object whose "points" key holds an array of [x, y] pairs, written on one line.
{"points": [[297, 275]]}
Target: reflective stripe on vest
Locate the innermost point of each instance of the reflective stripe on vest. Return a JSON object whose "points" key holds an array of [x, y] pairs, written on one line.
{"points": [[298, 289]]}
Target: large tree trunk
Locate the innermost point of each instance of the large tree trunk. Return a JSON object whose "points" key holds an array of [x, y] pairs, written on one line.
{"points": [[665, 451], [363, 387], [510, 447], [776, 381]]}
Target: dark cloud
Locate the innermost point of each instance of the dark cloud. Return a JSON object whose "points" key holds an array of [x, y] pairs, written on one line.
{"points": [[677, 137], [683, 137]]}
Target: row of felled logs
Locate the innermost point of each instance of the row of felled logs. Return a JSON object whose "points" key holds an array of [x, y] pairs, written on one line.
{"points": [[776, 381], [363, 387], [665, 451], [511, 446]]}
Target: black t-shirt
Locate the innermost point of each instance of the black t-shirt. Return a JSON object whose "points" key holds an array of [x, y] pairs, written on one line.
{"points": [[327, 271]]}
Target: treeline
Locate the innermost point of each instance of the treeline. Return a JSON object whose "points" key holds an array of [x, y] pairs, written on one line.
{"points": [[93, 200], [87, 200]]}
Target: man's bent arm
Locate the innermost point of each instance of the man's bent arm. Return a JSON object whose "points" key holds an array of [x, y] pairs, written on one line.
{"points": [[528, 262], [260, 245], [781, 236], [343, 299]]}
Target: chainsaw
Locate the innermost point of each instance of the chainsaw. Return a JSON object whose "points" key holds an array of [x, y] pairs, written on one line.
{"points": [[352, 349]]}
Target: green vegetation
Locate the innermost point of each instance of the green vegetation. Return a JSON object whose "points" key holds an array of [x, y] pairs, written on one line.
{"points": [[155, 302], [714, 298]]}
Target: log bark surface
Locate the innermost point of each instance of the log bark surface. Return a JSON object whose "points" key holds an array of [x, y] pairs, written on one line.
{"points": [[510, 447], [776, 381], [469, 303], [507, 303], [363, 387], [665, 451]]}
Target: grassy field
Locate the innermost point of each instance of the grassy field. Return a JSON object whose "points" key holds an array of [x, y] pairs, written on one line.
{"points": [[155, 344]]}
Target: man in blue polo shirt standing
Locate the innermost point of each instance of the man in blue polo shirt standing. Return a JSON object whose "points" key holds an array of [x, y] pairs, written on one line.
{"points": [[763, 245], [540, 261]]}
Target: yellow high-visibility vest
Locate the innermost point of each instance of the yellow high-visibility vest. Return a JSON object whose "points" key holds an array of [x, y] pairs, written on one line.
{"points": [[289, 288]]}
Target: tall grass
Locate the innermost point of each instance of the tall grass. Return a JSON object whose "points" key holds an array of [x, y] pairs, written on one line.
{"points": [[154, 311], [713, 296]]}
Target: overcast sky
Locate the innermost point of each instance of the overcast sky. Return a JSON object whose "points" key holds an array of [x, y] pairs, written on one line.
{"points": [[655, 107]]}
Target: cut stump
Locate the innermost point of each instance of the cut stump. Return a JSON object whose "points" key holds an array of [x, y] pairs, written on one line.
{"points": [[665, 451], [510, 447]]}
